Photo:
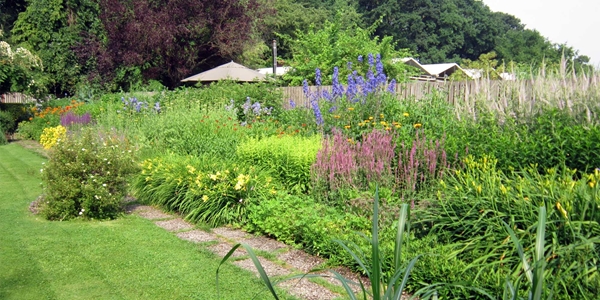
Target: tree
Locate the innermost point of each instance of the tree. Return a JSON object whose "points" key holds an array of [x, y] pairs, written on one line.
{"points": [[167, 40], [52, 28], [334, 47]]}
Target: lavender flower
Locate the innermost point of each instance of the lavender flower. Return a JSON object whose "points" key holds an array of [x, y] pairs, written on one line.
{"points": [[360, 58], [349, 65], [292, 103], [157, 106], [70, 119], [371, 60]]}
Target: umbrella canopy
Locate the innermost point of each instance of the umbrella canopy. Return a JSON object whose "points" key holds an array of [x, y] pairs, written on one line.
{"points": [[232, 71]]}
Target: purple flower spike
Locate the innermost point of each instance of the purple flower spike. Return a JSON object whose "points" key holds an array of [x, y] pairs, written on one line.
{"points": [[392, 87], [360, 58], [292, 103], [318, 76]]}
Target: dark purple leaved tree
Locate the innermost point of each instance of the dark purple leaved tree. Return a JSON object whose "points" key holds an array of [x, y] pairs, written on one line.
{"points": [[167, 40]]}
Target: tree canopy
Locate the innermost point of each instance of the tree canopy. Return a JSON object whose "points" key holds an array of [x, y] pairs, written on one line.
{"points": [[119, 44]]}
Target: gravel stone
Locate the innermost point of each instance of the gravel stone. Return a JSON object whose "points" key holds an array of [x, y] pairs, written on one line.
{"points": [[271, 268], [197, 236], [174, 225], [304, 289], [300, 260], [221, 249]]}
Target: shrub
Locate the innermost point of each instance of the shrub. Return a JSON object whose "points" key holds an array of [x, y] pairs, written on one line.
{"points": [[7, 122], [86, 176], [299, 220], [52, 135], [288, 157]]}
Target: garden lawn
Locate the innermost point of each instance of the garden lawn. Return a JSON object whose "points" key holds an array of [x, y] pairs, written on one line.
{"points": [[128, 258]]}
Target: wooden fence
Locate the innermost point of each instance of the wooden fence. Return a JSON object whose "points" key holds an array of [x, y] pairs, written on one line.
{"points": [[576, 93], [456, 91], [16, 98]]}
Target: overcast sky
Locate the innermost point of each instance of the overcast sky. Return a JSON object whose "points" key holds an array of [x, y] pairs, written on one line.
{"points": [[575, 22]]}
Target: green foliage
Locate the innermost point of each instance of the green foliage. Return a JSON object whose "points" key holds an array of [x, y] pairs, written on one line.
{"points": [[204, 190], [550, 138], [86, 176], [7, 122], [289, 158], [333, 46], [473, 204], [52, 28], [299, 220]]}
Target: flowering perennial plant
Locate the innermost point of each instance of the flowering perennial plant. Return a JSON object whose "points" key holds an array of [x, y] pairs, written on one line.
{"points": [[133, 105], [363, 97], [71, 119], [204, 192]]}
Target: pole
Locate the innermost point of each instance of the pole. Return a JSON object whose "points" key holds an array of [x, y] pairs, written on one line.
{"points": [[274, 58]]}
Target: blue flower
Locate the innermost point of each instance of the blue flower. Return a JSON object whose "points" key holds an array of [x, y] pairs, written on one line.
{"points": [[292, 103], [157, 106], [371, 60], [349, 65], [360, 58]]}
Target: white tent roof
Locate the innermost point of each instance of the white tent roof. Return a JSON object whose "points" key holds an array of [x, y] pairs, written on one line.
{"points": [[231, 71]]}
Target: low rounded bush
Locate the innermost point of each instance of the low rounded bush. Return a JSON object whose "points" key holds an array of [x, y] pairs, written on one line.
{"points": [[86, 176]]}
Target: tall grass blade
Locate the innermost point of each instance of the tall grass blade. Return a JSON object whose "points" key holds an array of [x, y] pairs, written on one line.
{"points": [[538, 283], [517, 243], [402, 224], [375, 262], [344, 282]]}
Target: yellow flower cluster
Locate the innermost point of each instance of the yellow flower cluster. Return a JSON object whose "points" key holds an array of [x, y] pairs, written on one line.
{"points": [[242, 180], [52, 135]]}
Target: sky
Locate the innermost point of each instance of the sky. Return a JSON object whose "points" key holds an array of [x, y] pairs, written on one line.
{"points": [[574, 22]]}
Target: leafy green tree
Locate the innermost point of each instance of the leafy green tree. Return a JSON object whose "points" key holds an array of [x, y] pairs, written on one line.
{"points": [[334, 47], [437, 31], [52, 29]]}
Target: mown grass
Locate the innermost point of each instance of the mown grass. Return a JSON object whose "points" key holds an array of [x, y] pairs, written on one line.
{"points": [[127, 258]]}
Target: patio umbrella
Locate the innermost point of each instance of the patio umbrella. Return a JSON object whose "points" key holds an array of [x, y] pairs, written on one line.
{"points": [[232, 71]]}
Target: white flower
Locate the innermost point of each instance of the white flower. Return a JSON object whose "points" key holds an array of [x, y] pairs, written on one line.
{"points": [[82, 149], [104, 184], [41, 170]]}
